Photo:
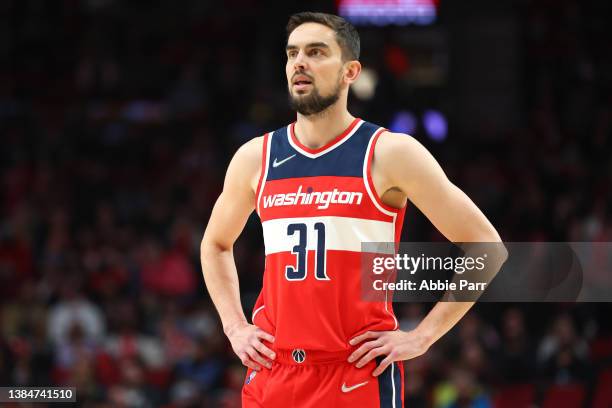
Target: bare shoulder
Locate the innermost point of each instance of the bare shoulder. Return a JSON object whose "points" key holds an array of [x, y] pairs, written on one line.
{"points": [[395, 150], [392, 144], [401, 161], [252, 150]]}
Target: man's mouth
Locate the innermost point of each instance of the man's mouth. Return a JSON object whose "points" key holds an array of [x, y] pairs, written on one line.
{"points": [[301, 84]]}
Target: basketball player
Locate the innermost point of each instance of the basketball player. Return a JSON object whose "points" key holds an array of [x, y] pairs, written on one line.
{"points": [[321, 186]]}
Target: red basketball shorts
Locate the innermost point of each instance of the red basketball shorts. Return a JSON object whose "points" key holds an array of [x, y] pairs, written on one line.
{"points": [[315, 379]]}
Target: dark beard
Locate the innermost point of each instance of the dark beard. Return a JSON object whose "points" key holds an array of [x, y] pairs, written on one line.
{"points": [[313, 103]]}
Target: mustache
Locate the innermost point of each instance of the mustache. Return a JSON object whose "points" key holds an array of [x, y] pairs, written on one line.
{"points": [[302, 73]]}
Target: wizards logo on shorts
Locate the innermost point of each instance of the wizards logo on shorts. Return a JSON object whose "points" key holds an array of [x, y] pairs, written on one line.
{"points": [[250, 377]]}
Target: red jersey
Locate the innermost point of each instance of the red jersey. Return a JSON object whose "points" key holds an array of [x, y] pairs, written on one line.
{"points": [[317, 206]]}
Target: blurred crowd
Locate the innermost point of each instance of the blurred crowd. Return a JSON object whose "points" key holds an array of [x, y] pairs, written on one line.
{"points": [[117, 121]]}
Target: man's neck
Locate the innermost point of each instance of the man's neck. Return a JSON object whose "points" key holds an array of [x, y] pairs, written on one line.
{"points": [[317, 130]]}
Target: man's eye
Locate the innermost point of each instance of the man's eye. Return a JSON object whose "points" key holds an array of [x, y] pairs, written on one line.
{"points": [[291, 54], [315, 52]]}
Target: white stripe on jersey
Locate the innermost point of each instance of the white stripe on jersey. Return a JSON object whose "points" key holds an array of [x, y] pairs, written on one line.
{"points": [[341, 233]]}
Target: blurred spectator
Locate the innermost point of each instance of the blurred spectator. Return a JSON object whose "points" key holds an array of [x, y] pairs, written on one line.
{"points": [[563, 354], [126, 341], [132, 391], [516, 358], [166, 272], [205, 364], [463, 390], [73, 309]]}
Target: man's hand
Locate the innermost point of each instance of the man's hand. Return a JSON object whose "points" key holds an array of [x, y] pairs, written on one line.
{"points": [[246, 343], [396, 345]]}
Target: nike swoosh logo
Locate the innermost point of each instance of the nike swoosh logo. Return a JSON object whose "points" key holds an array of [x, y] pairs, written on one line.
{"points": [[278, 163], [352, 387]]}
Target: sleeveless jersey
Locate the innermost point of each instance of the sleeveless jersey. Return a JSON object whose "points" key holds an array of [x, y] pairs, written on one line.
{"points": [[316, 207]]}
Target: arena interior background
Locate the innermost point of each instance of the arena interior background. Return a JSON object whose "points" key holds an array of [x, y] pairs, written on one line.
{"points": [[118, 119]]}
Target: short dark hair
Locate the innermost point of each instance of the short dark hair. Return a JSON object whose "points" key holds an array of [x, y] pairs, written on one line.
{"points": [[346, 34]]}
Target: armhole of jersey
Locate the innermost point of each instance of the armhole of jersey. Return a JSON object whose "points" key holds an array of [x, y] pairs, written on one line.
{"points": [[255, 313], [367, 177], [265, 158]]}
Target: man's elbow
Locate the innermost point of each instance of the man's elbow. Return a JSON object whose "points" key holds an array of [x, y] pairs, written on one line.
{"points": [[491, 244], [503, 253], [210, 248], [497, 253]]}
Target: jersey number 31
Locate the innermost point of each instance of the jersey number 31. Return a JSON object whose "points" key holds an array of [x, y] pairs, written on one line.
{"points": [[298, 272]]}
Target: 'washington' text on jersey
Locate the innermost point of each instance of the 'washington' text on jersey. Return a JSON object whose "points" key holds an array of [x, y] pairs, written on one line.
{"points": [[322, 198]]}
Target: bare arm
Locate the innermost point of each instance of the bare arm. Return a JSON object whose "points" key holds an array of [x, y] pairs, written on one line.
{"points": [[229, 215], [411, 168], [405, 168]]}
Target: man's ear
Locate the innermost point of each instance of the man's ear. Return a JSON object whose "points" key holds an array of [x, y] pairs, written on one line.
{"points": [[352, 69]]}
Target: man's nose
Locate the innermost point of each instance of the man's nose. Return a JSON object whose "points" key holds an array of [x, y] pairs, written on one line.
{"points": [[299, 64]]}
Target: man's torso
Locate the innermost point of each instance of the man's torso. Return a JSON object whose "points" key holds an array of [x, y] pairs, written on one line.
{"points": [[317, 206]]}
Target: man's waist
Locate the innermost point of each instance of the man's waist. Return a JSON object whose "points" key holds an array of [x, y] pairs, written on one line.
{"points": [[299, 356]]}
